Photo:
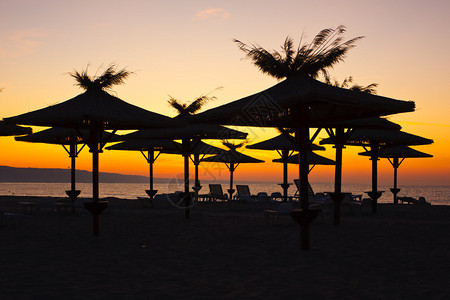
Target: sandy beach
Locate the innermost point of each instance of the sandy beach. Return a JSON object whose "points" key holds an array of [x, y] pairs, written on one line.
{"points": [[400, 252]]}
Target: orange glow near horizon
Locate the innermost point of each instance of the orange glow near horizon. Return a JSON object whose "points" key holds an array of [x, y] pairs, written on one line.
{"points": [[356, 169]]}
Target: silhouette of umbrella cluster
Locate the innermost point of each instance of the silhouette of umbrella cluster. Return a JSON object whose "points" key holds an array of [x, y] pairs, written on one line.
{"points": [[232, 159], [376, 139], [188, 134], [95, 110], [396, 155], [67, 137], [299, 102], [148, 148], [285, 145]]}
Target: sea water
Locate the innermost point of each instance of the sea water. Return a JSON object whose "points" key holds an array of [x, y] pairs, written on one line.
{"points": [[437, 195]]}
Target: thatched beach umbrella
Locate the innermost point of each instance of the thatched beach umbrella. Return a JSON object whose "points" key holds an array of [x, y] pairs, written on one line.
{"points": [[67, 137], [285, 145], [187, 134], [232, 159], [148, 149], [95, 110], [376, 139], [301, 102], [396, 155]]}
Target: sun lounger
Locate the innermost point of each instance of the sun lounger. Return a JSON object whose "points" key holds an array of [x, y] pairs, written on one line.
{"points": [[411, 200], [243, 190], [216, 192], [276, 196]]}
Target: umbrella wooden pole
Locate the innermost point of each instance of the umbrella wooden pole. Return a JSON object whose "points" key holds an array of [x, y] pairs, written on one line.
{"points": [[230, 191], [337, 196], [151, 160], [186, 153], [374, 158], [374, 194], [395, 190], [94, 149], [304, 216], [285, 155], [196, 163], [73, 155], [339, 144]]}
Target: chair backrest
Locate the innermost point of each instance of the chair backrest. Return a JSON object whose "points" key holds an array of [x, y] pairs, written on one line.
{"points": [[310, 190], [243, 190], [216, 190], [276, 195]]}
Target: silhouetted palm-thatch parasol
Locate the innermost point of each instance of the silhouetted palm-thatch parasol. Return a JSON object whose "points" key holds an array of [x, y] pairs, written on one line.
{"points": [[96, 110]]}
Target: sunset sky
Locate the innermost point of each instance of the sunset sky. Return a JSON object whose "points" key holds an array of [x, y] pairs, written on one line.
{"points": [[185, 49]]}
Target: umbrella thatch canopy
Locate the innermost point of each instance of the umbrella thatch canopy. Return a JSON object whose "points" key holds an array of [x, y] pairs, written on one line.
{"points": [[67, 137], [383, 137], [232, 159], [285, 145], [313, 159], [301, 102], [96, 110], [368, 123], [191, 131], [280, 142], [397, 152], [11, 129], [376, 139], [396, 155], [187, 134], [325, 104], [93, 106]]}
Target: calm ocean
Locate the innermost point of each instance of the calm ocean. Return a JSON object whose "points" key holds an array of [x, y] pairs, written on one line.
{"points": [[437, 195]]}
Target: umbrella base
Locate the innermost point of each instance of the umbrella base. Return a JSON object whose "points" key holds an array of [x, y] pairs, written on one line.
{"points": [[304, 217], [374, 195], [337, 199], [230, 193], [96, 208], [151, 193], [73, 194], [395, 191]]}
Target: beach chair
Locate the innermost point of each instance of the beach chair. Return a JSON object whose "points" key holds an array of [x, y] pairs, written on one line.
{"points": [[311, 195], [276, 196], [243, 190], [216, 192], [411, 200]]}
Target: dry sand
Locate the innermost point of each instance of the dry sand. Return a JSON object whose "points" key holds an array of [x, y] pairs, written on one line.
{"points": [[398, 253]]}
